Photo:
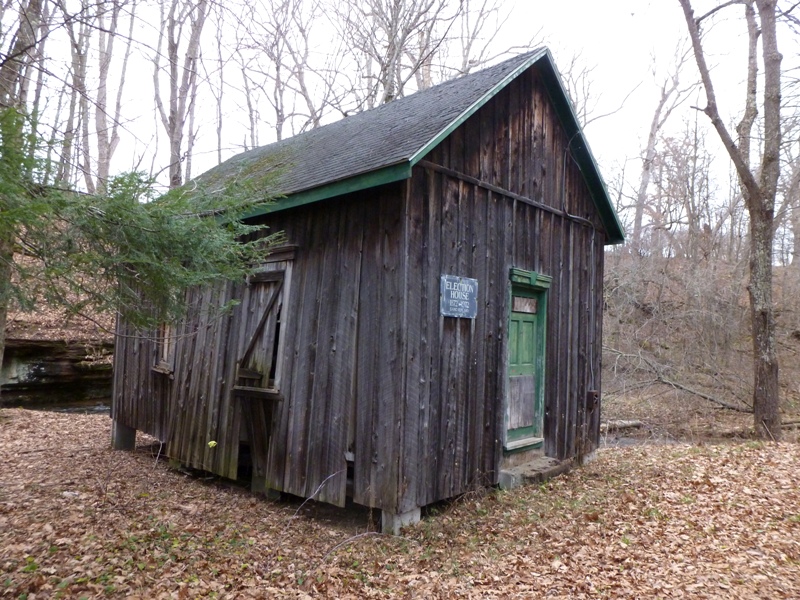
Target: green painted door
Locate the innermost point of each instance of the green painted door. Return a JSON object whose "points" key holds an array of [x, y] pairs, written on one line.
{"points": [[526, 349]]}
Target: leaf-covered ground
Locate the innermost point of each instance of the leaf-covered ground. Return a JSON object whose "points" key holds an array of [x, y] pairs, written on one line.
{"points": [[80, 520]]}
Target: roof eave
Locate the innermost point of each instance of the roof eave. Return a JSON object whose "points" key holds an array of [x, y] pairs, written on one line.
{"points": [[362, 181]]}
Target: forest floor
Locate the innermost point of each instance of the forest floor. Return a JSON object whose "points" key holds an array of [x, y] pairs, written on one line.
{"points": [[78, 520], [661, 414]]}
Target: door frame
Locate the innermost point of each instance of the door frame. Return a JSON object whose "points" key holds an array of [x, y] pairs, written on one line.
{"points": [[527, 284]]}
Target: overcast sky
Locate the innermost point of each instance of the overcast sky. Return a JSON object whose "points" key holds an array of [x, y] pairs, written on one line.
{"points": [[631, 45]]}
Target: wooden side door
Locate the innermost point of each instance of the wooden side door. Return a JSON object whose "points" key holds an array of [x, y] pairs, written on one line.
{"points": [[526, 353], [257, 379]]}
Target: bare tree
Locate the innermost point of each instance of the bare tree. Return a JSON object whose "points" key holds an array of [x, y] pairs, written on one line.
{"points": [[108, 134], [391, 41], [76, 133], [22, 45], [275, 58], [182, 22], [671, 96], [759, 185]]}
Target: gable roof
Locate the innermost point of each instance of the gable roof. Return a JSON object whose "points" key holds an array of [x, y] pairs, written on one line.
{"points": [[382, 145]]}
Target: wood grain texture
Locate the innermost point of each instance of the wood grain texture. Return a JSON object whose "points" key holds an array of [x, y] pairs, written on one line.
{"points": [[367, 367]]}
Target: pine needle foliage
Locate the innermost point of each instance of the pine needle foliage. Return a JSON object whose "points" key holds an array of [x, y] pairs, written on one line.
{"points": [[126, 250]]}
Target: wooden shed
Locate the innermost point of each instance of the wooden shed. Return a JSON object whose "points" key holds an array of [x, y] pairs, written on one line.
{"points": [[435, 314]]}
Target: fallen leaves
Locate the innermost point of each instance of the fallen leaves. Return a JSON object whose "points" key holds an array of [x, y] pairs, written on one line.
{"points": [[80, 520]]}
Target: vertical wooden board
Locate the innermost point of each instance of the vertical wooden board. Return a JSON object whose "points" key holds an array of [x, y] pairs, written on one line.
{"points": [[234, 349], [436, 267], [500, 171], [551, 254], [303, 367], [344, 368], [430, 363], [569, 305], [504, 247], [597, 333], [391, 365], [506, 216], [457, 144], [550, 187], [561, 335], [526, 160], [212, 384], [185, 406], [472, 145], [295, 402], [466, 329], [228, 436], [179, 397], [539, 167], [337, 330], [574, 295], [487, 141], [295, 226], [211, 390], [521, 254], [412, 457], [493, 337], [450, 376], [584, 339], [195, 443], [477, 355], [320, 424], [368, 452], [515, 136], [192, 416]]}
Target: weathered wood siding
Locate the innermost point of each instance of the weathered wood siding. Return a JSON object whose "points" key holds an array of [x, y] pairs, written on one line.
{"points": [[472, 212], [341, 357], [368, 365]]}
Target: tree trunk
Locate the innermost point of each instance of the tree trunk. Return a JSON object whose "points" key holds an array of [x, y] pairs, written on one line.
{"points": [[767, 419], [6, 256], [759, 188]]}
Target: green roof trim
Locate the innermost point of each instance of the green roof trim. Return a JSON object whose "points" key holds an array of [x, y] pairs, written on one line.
{"points": [[356, 183]]}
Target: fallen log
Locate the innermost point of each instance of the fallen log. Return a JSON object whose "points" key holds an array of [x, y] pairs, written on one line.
{"points": [[620, 425]]}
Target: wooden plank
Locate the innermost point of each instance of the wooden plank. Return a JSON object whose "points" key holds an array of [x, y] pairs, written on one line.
{"points": [[258, 393], [265, 277], [450, 376], [473, 462], [326, 466], [429, 337], [417, 292], [572, 375], [515, 135], [464, 329], [365, 484], [227, 462], [391, 368], [492, 342], [487, 141], [295, 226], [307, 313]]}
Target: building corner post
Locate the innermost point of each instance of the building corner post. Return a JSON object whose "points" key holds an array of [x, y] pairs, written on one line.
{"points": [[123, 437]]}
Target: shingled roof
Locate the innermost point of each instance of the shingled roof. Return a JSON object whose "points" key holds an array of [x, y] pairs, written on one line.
{"points": [[381, 145]]}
